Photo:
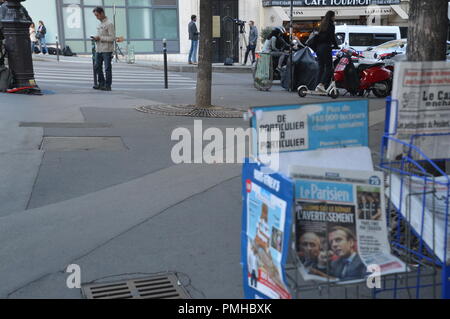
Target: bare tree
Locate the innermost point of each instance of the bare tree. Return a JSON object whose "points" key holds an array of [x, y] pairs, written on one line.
{"points": [[204, 76], [428, 27]]}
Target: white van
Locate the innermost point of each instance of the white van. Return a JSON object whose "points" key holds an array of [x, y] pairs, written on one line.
{"points": [[361, 37]]}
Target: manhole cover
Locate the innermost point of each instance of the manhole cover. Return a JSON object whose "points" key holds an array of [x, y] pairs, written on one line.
{"points": [[84, 143], [192, 111], [155, 287]]}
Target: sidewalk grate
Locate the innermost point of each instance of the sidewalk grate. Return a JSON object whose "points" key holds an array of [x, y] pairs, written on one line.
{"points": [[192, 111], [164, 286]]}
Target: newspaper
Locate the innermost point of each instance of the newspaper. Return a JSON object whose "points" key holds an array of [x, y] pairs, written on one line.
{"points": [[424, 203], [421, 105], [340, 225]]}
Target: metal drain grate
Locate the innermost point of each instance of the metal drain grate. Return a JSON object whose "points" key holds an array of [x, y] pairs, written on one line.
{"points": [[192, 111], [155, 287]]}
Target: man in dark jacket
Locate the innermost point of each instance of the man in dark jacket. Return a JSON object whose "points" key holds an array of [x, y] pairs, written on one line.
{"points": [[349, 265], [193, 36], [252, 41]]}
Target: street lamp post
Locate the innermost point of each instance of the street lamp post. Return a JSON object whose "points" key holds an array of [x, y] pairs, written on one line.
{"points": [[16, 23]]}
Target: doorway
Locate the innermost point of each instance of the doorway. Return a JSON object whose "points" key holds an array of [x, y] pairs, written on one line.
{"points": [[226, 32]]}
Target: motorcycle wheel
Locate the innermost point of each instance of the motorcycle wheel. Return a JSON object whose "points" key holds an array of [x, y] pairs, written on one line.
{"points": [[382, 93]]}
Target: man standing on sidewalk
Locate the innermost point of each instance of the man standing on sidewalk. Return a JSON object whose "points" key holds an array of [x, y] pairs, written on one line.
{"points": [[105, 38], [193, 36], [252, 41]]}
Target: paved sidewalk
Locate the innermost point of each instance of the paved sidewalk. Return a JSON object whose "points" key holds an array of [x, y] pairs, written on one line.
{"points": [[120, 212], [172, 66]]}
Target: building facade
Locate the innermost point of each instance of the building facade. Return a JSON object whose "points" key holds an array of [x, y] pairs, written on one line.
{"points": [[145, 23]]}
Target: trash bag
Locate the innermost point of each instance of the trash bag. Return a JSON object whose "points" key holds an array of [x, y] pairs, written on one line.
{"points": [[306, 71]]}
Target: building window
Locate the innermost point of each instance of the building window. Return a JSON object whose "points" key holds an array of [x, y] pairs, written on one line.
{"points": [[142, 23]]}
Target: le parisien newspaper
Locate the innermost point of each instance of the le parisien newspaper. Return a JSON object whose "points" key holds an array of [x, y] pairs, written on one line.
{"points": [[340, 225]]}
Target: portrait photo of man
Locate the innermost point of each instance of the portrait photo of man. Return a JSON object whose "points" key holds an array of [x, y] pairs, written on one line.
{"points": [[348, 265]]}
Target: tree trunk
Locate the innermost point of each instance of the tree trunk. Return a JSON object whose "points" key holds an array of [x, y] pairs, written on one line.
{"points": [[427, 32], [204, 76]]}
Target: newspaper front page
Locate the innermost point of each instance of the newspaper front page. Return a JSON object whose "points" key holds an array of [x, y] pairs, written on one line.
{"points": [[340, 225], [421, 105]]}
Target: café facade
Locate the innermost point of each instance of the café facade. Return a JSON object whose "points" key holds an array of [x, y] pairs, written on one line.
{"points": [[145, 23]]}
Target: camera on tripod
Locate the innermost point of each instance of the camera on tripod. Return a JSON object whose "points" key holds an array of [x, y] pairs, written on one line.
{"points": [[241, 25], [239, 22]]}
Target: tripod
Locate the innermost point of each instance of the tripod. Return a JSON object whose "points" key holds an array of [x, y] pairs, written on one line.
{"points": [[242, 42], [117, 51]]}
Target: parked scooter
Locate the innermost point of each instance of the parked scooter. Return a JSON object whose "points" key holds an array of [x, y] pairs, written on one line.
{"points": [[389, 59], [361, 80]]}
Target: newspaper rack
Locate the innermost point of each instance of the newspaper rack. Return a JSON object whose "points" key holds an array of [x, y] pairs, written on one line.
{"points": [[417, 209], [418, 220]]}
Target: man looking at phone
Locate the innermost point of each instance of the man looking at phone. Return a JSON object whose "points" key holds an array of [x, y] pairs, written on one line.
{"points": [[104, 39]]}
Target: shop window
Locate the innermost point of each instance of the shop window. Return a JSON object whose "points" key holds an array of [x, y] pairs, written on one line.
{"points": [[121, 22], [73, 22], [71, 1], [93, 2], [141, 24], [120, 3], [76, 46], [164, 2], [139, 3], [166, 24], [142, 46], [91, 22]]}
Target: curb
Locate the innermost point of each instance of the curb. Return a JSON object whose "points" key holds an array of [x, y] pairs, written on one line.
{"points": [[180, 68], [193, 68]]}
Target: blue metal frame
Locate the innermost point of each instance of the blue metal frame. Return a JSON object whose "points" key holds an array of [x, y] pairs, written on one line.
{"points": [[399, 167]]}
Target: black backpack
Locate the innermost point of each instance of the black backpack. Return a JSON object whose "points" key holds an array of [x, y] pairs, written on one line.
{"points": [[67, 51], [52, 51]]}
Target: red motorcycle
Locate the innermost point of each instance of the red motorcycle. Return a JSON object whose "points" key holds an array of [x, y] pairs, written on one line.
{"points": [[364, 78]]}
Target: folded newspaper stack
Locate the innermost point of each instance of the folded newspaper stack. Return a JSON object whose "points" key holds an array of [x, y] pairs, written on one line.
{"points": [[424, 203]]}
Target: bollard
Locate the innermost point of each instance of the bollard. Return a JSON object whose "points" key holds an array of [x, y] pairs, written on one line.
{"points": [[166, 79], [57, 49], [94, 71]]}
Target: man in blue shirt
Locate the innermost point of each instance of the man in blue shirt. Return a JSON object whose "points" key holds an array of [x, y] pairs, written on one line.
{"points": [[193, 36], [252, 41]]}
